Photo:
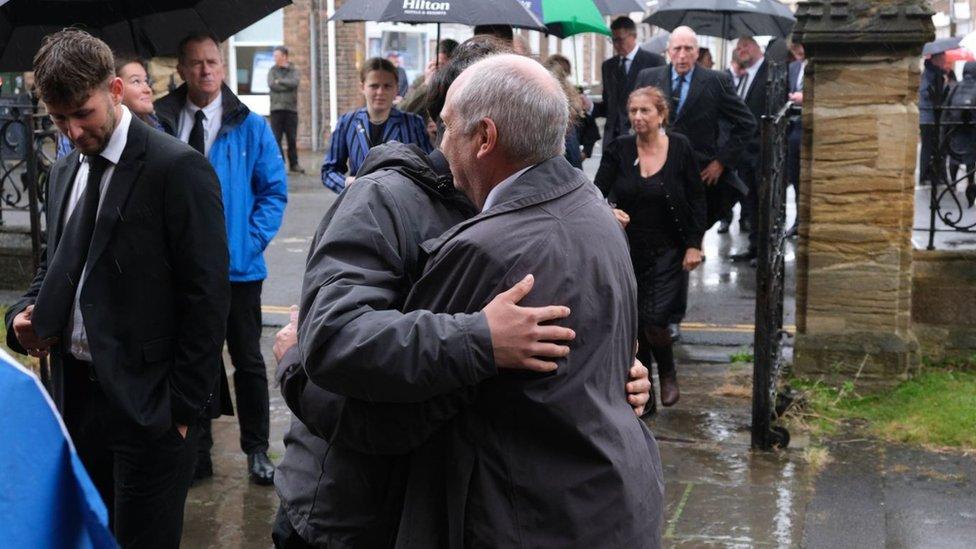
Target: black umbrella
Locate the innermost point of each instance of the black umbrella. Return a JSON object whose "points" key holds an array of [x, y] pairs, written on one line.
{"points": [[727, 19], [462, 12], [145, 27], [618, 7], [941, 45]]}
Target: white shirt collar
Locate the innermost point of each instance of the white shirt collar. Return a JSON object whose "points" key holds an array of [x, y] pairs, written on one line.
{"points": [[751, 71], [499, 188], [116, 144], [633, 53], [210, 110]]}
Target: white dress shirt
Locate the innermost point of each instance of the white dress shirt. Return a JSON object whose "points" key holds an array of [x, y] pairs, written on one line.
{"points": [[499, 188], [213, 113], [629, 59], [112, 152]]}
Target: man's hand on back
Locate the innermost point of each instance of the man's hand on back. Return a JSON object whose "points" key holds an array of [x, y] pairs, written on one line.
{"points": [[639, 387], [518, 338]]}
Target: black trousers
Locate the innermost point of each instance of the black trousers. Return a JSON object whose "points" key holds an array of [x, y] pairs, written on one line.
{"points": [[749, 173], [929, 142], [250, 375], [286, 122], [142, 479]]}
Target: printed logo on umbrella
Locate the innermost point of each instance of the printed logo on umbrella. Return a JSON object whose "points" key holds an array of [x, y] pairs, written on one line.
{"points": [[425, 7]]}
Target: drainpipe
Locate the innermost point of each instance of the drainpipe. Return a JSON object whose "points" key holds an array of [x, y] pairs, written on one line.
{"points": [[333, 73], [313, 62]]}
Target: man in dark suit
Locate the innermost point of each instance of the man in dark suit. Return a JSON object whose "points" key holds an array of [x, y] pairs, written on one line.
{"points": [[796, 72], [130, 298], [620, 77], [703, 107], [752, 89]]}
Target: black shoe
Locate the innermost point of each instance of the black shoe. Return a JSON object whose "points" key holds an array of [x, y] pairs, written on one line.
{"points": [[745, 226], [298, 169], [723, 227], [260, 468], [203, 468], [747, 255], [675, 330]]}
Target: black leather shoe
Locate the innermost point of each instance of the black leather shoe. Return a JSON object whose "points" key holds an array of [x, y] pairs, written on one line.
{"points": [[723, 227], [669, 390], [260, 468], [675, 330], [747, 255], [297, 169], [203, 468]]}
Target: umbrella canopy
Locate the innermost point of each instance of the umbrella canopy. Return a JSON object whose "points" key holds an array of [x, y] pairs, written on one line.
{"points": [[959, 54], [941, 45], [619, 7], [145, 27], [568, 17], [463, 12], [727, 19]]}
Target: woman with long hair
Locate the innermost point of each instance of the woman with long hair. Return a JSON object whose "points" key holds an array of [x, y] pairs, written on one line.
{"points": [[652, 181]]}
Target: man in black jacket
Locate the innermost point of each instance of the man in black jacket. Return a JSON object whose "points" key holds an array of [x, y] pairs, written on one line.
{"points": [[752, 90], [703, 107], [130, 298], [620, 77]]}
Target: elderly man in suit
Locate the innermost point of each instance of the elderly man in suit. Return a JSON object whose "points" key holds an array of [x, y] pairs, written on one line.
{"points": [[703, 106], [620, 77], [131, 296], [752, 89]]}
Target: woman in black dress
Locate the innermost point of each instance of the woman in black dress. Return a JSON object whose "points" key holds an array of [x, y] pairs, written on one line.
{"points": [[652, 181]]}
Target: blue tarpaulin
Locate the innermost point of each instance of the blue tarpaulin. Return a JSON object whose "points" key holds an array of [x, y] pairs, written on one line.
{"points": [[46, 497]]}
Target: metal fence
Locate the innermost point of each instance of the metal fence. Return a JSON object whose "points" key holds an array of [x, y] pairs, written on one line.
{"points": [[770, 336], [951, 170]]}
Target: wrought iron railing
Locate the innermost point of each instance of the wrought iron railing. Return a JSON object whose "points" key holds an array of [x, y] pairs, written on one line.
{"points": [[770, 337], [951, 170], [27, 145]]}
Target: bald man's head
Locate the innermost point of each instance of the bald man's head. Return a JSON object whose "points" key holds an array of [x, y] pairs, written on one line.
{"points": [[683, 49]]}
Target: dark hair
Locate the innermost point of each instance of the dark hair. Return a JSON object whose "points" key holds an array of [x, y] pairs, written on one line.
{"points": [[282, 49], [193, 39], [123, 59], [657, 99], [468, 53], [447, 47], [502, 32], [378, 64], [624, 23], [69, 65]]}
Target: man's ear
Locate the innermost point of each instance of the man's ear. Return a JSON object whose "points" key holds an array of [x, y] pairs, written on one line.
{"points": [[115, 88], [487, 133]]}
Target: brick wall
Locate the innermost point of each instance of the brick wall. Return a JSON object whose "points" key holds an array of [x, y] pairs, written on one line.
{"points": [[297, 40]]}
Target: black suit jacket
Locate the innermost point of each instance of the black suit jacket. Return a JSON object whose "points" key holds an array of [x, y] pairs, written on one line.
{"points": [[614, 105], [757, 101], [156, 295], [711, 100]]}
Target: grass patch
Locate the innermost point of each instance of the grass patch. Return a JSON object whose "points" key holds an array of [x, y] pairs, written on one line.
{"points": [[743, 355], [935, 409]]}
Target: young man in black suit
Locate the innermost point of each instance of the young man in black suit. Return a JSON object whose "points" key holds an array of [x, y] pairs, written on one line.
{"points": [[702, 102], [130, 298], [620, 76]]}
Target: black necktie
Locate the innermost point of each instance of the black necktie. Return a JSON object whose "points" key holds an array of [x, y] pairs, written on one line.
{"points": [[743, 80], [196, 134], [676, 96], [622, 78], [57, 293]]}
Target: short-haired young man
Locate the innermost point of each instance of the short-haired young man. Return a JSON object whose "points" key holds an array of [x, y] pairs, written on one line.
{"points": [[208, 116], [130, 299]]}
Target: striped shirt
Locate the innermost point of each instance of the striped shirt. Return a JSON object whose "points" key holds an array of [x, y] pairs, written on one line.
{"points": [[350, 143]]}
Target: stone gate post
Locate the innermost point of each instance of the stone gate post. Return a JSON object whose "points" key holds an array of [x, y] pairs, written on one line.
{"points": [[860, 121]]}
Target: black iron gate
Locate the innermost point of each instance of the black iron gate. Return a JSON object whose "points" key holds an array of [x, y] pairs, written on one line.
{"points": [[951, 170], [770, 269]]}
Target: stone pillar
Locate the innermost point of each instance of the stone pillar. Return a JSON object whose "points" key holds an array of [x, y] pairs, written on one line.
{"points": [[860, 121]]}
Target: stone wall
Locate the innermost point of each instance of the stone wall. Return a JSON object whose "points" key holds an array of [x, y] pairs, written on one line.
{"points": [[944, 303]]}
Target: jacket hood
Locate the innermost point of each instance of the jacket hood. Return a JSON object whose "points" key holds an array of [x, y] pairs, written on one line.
{"points": [[969, 71], [430, 172]]}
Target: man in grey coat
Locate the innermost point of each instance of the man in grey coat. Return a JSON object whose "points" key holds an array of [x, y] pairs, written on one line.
{"points": [[283, 80], [548, 456]]}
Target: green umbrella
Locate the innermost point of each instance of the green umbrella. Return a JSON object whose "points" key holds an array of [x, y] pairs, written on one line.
{"points": [[568, 17]]}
